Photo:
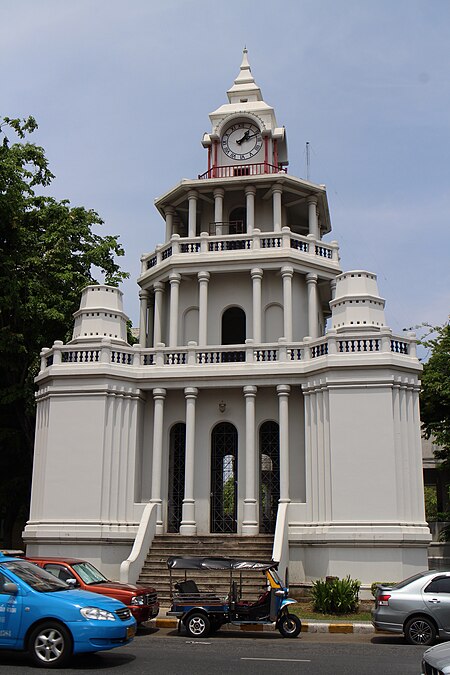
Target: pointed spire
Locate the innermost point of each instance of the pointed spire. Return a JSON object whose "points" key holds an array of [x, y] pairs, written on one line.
{"points": [[244, 85]]}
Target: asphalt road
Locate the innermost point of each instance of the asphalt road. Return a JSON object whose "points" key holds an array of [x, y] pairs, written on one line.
{"points": [[164, 652]]}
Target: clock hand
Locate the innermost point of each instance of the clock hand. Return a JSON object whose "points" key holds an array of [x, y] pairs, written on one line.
{"points": [[244, 138]]}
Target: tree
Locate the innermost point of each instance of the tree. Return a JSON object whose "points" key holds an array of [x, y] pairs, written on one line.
{"points": [[48, 253], [435, 394]]}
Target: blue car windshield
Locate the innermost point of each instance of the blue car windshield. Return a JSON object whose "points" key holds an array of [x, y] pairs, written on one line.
{"points": [[34, 576]]}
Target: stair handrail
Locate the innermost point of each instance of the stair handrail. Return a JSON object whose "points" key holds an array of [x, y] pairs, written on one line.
{"points": [[130, 568], [280, 551]]}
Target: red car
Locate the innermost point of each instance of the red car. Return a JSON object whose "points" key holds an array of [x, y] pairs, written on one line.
{"points": [[142, 601]]}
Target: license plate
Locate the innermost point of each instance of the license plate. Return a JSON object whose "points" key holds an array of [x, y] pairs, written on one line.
{"points": [[131, 632]]}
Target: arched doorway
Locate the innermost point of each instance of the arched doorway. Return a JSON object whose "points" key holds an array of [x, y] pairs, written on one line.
{"points": [[269, 476], [234, 328], [238, 220], [177, 455], [224, 440]]}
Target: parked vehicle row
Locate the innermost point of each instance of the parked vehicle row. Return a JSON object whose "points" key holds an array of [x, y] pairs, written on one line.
{"points": [[46, 617], [142, 601]]}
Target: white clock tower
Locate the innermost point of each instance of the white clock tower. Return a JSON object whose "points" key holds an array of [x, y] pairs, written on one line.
{"points": [[267, 395]]}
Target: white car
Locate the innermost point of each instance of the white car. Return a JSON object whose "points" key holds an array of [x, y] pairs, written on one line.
{"points": [[436, 660]]}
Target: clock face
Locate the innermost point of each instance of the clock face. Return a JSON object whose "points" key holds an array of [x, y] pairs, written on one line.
{"points": [[241, 140]]}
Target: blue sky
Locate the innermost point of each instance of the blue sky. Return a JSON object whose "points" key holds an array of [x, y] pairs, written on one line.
{"points": [[122, 91]]}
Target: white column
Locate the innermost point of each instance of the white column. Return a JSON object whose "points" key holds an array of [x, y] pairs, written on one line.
{"points": [[276, 196], [157, 327], [257, 275], [143, 300], [283, 391], [333, 288], [188, 523], [192, 222], [150, 319], [287, 273], [218, 209], [250, 515], [169, 213], [203, 280], [158, 417], [311, 281], [174, 279], [313, 222], [250, 192]]}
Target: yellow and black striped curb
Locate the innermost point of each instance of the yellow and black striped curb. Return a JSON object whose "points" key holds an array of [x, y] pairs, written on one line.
{"points": [[307, 626]]}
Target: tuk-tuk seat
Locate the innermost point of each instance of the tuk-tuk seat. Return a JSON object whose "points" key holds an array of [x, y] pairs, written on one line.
{"points": [[189, 586]]}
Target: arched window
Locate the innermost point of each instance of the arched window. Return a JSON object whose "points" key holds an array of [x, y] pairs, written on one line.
{"points": [[269, 476], [238, 220], [176, 476], [234, 330], [224, 440]]}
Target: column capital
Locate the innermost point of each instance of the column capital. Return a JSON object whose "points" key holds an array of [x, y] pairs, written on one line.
{"points": [[250, 390], [250, 190], [192, 194], [218, 192], [169, 211], [287, 271], [158, 287], [312, 200], [312, 278], [203, 276], [143, 294], [159, 394], [190, 392], [256, 273], [283, 389], [174, 278], [277, 189]]}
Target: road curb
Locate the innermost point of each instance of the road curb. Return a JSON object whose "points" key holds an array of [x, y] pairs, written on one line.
{"points": [[307, 626]]}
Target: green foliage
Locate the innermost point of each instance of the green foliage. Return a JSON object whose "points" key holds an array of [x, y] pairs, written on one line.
{"points": [[435, 393], [430, 502], [48, 252], [374, 586], [336, 596]]}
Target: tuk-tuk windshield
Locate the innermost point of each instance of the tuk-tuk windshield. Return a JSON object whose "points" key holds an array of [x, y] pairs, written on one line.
{"points": [[276, 578]]}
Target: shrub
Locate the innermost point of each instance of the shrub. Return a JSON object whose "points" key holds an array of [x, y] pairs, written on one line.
{"points": [[336, 596], [374, 586]]}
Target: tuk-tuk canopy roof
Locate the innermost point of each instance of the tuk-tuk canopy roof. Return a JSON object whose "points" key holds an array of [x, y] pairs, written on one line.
{"points": [[218, 563]]}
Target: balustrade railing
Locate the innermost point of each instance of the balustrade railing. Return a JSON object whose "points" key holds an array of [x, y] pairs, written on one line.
{"points": [[330, 345], [241, 170], [223, 241]]}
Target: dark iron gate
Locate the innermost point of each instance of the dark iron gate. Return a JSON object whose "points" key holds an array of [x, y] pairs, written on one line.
{"points": [[176, 476], [224, 441], [269, 479]]}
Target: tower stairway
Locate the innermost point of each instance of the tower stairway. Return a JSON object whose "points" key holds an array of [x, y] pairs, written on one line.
{"points": [[155, 573]]}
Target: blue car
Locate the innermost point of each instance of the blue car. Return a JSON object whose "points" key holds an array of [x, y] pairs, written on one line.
{"points": [[46, 617]]}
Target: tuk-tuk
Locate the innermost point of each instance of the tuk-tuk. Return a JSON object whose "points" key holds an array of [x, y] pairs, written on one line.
{"points": [[205, 611]]}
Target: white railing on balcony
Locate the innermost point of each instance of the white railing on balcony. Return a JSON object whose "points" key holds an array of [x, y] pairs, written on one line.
{"points": [[257, 240], [331, 345]]}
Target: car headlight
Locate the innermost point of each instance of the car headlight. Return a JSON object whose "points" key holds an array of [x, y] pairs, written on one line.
{"points": [[137, 600], [97, 614]]}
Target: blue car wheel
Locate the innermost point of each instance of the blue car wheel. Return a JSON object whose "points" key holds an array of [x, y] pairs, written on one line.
{"points": [[50, 644]]}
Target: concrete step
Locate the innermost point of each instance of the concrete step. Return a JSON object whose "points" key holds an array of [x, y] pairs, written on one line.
{"points": [[156, 573]]}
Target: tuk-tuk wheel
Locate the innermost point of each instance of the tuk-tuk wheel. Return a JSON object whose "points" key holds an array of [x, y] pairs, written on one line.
{"points": [[289, 625], [198, 625]]}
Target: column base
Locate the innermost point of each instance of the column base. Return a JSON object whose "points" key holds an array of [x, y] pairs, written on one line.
{"points": [[250, 520], [189, 529], [250, 529], [188, 525]]}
